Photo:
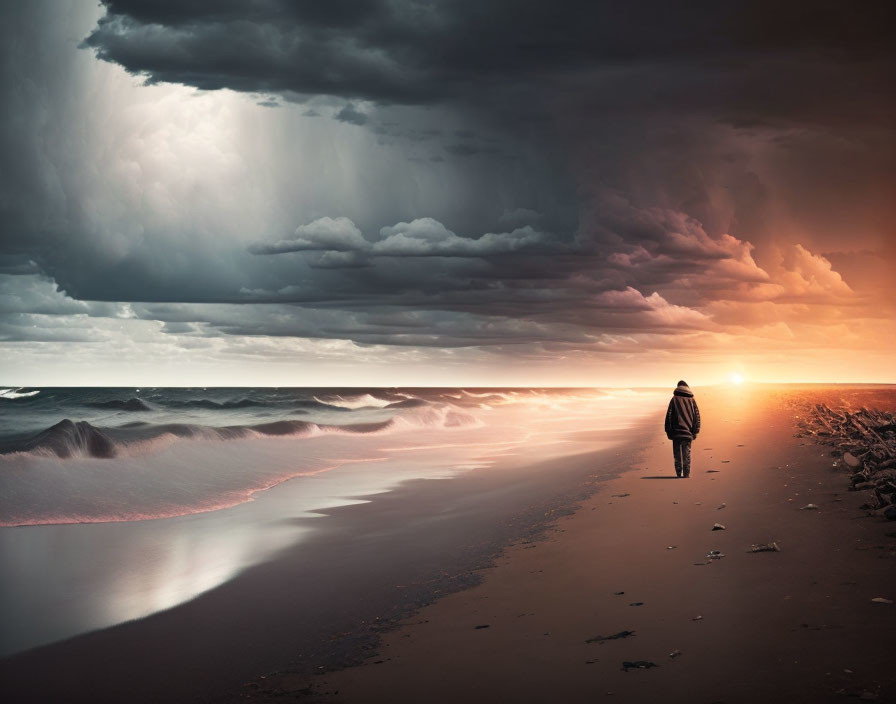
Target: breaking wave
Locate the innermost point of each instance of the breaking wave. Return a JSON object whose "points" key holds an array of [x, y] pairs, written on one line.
{"points": [[356, 402], [168, 461], [17, 393], [408, 403], [81, 439], [68, 438]]}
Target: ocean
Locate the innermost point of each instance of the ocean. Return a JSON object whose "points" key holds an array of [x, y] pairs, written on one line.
{"points": [[117, 503]]}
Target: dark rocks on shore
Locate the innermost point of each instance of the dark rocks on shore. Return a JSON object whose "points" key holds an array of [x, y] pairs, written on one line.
{"points": [[866, 442], [615, 636], [850, 460], [637, 665], [764, 547]]}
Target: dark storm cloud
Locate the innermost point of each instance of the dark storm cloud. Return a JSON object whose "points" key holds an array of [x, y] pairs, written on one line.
{"points": [[371, 325], [467, 149], [565, 170], [663, 102], [351, 115], [414, 52]]}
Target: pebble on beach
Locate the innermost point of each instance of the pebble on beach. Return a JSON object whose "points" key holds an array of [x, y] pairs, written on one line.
{"points": [[764, 547]]}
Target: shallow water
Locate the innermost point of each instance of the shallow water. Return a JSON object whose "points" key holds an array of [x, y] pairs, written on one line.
{"points": [[95, 541]]}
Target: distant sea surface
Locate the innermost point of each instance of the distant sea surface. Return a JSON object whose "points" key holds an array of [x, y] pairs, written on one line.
{"points": [[116, 503]]}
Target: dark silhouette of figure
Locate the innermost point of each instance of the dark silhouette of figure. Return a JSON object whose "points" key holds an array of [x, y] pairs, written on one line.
{"points": [[682, 426]]}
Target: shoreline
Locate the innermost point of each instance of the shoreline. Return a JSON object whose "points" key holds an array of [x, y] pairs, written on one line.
{"points": [[805, 624], [363, 566]]}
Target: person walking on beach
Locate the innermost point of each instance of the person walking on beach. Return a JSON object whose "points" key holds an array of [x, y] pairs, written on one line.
{"points": [[682, 426]]}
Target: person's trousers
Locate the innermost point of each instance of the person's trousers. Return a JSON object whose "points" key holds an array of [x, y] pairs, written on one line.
{"points": [[681, 449]]}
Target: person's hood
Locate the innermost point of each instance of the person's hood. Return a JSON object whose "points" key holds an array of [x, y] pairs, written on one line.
{"points": [[683, 390]]}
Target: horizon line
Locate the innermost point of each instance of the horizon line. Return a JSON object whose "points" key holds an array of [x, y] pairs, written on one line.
{"points": [[461, 386]]}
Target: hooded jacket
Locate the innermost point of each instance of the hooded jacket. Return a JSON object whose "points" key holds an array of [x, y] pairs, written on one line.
{"points": [[682, 416]]}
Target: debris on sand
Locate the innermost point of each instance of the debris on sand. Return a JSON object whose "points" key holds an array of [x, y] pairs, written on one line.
{"points": [[671, 547], [712, 471], [478, 628], [882, 600], [637, 665], [615, 636], [866, 442], [637, 603], [720, 507], [764, 547], [697, 618], [619, 496], [718, 526], [674, 653], [809, 507], [715, 555]]}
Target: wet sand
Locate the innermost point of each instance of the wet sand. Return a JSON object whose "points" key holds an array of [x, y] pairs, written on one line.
{"points": [[797, 625], [322, 602]]}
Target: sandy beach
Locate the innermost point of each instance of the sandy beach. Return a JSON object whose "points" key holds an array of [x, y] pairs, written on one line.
{"points": [[797, 625], [538, 582]]}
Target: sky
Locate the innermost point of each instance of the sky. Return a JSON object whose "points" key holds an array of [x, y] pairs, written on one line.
{"points": [[453, 192]]}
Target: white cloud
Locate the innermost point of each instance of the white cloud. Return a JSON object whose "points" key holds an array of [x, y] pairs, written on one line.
{"points": [[338, 234], [422, 237]]}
